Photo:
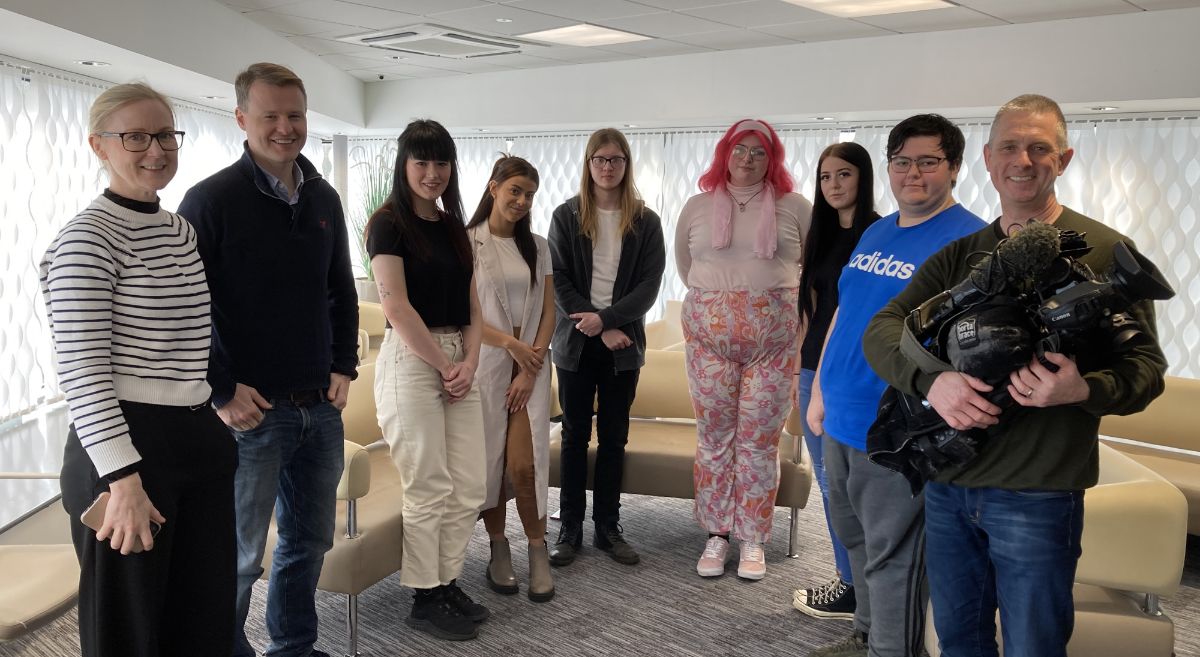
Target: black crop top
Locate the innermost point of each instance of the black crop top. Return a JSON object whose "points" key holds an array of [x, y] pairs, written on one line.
{"points": [[438, 287]]}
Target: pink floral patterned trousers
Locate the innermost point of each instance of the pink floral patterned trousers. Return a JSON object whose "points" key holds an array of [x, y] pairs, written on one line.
{"points": [[740, 347]]}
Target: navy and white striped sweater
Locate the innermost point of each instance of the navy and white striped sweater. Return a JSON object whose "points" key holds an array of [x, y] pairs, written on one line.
{"points": [[128, 305]]}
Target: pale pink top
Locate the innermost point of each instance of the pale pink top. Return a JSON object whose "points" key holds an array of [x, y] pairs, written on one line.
{"points": [[736, 267]]}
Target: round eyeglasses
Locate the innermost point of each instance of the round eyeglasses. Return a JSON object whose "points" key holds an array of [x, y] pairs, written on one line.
{"points": [[927, 164]]}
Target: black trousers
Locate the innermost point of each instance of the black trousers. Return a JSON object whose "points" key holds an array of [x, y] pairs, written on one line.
{"points": [[596, 388], [178, 598]]}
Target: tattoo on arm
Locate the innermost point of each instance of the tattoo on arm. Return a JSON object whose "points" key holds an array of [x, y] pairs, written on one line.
{"points": [[384, 292]]}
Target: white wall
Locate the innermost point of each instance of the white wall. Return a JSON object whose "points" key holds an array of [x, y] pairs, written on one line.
{"points": [[1148, 57]]}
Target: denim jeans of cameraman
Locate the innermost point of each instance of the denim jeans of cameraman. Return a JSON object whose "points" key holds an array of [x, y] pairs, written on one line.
{"points": [[1017, 549], [841, 558], [290, 463]]}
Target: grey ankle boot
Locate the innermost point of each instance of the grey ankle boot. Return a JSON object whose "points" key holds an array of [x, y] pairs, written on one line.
{"points": [[541, 584], [500, 575]]}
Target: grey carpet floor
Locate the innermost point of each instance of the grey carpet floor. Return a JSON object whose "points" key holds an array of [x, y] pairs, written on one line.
{"points": [[658, 608]]}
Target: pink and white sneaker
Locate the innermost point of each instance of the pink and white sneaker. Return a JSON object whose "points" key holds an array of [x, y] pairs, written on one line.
{"points": [[753, 562], [712, 562]]}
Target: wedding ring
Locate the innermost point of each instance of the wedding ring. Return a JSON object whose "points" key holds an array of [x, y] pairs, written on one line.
{"points": [[1029, 392]]}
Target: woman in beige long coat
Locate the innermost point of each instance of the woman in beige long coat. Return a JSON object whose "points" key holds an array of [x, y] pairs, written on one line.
{"points": [[513, 282]]}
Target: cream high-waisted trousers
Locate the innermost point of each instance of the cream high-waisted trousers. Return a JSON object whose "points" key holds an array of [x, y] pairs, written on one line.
{"points": [[438, 448]]}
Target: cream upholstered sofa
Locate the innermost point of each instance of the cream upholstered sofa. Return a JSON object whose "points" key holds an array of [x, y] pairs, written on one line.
{"points": [[1134, 535], [369, 529], [661, 450], [38, 582], [1165, 438]]}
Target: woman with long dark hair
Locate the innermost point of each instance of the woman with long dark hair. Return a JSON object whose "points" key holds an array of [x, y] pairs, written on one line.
{"points": [[608, 254], [843, 207], [738, 250], [425, 393], [515, 289]]}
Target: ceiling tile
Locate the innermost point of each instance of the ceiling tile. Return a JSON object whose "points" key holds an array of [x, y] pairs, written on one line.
{"points": [[483, 19], [1151, 5], [296, 26], [824, 30], [655, 48], [664, 24], [577, 54], [411, 70], [420, 7], [253, 5], [932, 20], [757, 13], [677, 5], [1028, 11], [350, 62], [584, 11], [319, 46], [733, 39], [348, 13]]}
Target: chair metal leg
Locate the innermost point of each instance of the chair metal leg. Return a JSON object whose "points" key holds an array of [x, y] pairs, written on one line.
{"points": [[794, 536], [351, 625]]}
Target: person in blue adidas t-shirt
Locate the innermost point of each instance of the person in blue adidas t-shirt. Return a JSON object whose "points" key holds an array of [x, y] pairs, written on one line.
{"points": [[871, 508]]}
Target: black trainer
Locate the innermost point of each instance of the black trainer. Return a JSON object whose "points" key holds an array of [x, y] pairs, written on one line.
{"points": [[570, 539], [435, 614], [474, 611], [832, 600], [609, 538]]}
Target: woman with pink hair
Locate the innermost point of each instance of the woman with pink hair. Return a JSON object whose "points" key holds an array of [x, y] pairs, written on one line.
{"points": [[738, 250]]}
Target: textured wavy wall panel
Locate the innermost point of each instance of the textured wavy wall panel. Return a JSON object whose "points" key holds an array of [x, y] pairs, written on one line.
{"points": [[47, 174]]}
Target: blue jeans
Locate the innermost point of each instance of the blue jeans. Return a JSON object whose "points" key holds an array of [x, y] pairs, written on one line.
{"points": [[841, 558], [291, 463], [1018, 549]]}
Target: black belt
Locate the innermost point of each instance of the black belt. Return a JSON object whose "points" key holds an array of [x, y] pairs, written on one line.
{"points": [[303, 397]]}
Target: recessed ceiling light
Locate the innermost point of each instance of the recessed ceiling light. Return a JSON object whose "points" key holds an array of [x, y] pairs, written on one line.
{"points": [[1104, 108], [824, 118], [856, 8], [396, 57], [584, 35], [91, 62], [503, 20], [630, 125]]}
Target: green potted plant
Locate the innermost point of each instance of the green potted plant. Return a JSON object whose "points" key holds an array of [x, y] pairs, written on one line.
{"points": [[375, 173]]}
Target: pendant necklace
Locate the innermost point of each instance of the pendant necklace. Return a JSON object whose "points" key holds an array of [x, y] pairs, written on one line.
{"points": [[742, 204]]}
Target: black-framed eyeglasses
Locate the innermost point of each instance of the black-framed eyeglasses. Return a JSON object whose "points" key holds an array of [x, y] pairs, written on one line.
{"points": [[137, 142], [616, 161], [925, 164], [757, 154]]}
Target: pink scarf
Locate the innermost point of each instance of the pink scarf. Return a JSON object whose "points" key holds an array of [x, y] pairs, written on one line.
{"points": [[765, 237]]}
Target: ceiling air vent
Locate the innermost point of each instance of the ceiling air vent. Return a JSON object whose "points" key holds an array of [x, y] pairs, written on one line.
{"points": [[437, 41]]}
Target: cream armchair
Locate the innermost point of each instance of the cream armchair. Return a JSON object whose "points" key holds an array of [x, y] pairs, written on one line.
{"points": [[39, 582], [1134, 536]]}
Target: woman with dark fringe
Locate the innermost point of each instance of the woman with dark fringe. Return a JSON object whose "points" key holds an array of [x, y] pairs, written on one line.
{"points": [[428, 403]]}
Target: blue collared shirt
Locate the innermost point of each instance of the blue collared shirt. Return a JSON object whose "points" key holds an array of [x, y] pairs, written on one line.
{"points": [[281, 189]]}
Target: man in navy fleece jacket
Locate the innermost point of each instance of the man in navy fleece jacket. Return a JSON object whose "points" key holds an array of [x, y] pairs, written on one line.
{"points": [[285, 320]]}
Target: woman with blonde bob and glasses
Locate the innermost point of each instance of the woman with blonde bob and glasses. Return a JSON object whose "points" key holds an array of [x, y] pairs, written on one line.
{"points": [[738, 250], [148, 465], [608, 255], [515, 289]]}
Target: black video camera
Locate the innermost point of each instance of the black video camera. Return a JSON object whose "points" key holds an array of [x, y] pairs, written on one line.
{"points": [[1029, 296]]}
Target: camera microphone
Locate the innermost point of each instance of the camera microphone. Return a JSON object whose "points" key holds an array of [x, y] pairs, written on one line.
{"points": [[1029, 254]]}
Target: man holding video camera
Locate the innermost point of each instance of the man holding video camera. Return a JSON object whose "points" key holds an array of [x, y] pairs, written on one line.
{"points": [[1003, 529]]}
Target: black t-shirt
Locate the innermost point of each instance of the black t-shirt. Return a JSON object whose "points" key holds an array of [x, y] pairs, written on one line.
{"points": [[826, 272], [438, 286]]}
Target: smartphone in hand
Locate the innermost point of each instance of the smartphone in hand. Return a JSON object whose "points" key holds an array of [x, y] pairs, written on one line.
{"points": [[93, 518]]}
